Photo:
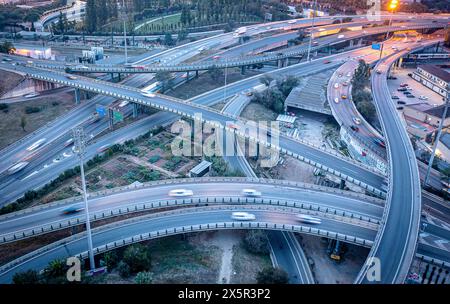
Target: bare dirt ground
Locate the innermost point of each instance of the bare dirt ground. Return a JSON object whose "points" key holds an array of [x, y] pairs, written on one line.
{"points": [[293, 170], [328, 271], [257, 112], [51, 106], [8, 81], [205, 83], [246, 265], [226, 240]]}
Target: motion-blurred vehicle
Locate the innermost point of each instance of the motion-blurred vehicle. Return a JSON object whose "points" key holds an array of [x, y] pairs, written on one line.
{"points": [[380, 142], [17, 167], [336, 85], [251, 192], [147, 94], [180, 192], [356, 120], [72, 210], [336, 100], [243, 216], [71, 77], [326, 61], [354, 128], [68, 142], [36, 145], [423, 97], [305, 218], [343, 96]]}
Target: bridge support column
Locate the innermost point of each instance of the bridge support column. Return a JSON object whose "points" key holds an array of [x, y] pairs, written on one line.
{"points": [[196, 74], [351, 43], [360, 42], [187, 76], [342, 184], [243, 70], [280, 63], [110, 119], [286, 62], [77, 96], [135, 110]]}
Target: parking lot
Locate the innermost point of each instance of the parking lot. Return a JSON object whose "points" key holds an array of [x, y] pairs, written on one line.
{"points": [[418, 89]]}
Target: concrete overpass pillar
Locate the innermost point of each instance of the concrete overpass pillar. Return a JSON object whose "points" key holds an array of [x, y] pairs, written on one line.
{"points": [[110, 119], [196, 74], [351, 43], [342, 184], [360, 42], [279, 63], [77, 96], [286, 62], [135, 110], [243, 70], [187, 76]]}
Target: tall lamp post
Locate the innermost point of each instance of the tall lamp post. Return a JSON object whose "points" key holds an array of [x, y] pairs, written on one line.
{"points": [[312, 28], [438, 136], [392, 6], [80, 148], [125, 30]]}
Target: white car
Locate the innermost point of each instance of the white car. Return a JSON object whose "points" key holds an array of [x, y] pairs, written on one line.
{"points": [[243, 216], [357, 120], [147, 94], [180, 192], [423, 97], [336, 100], [292, 21], [251, 192], [308, 219], [341, 36], [336, 85]]}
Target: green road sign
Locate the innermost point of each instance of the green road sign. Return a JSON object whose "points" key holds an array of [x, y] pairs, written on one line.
{"points": [[117, 116]]}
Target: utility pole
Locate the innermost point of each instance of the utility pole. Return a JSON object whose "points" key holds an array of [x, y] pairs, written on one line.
{"points": [[312, 29], [438, 136], [225, 87], [124, 11], [80, 148]]}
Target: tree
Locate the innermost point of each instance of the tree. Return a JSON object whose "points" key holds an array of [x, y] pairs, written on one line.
{"points": [[367, 109], [215, 73], [26, 277], [287, 84], [23, 122], [90, 20], [7, 47], [168, 40], [165, 78], [272, 275], [137, 257], [266, 80], [144, 278], [255, 241], [110, 260]]}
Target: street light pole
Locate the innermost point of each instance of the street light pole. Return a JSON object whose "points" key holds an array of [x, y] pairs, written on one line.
{"points": [[124, 31], [312, 28], [80, 149], [225, 87], [438, 136]]}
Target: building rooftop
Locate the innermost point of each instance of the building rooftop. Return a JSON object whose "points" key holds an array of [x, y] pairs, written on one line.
{"points": [[436, 71], [445, 139], [438, 111], [200, 167]]}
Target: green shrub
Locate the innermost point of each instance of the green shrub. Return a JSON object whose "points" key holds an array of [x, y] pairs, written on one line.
{"points": [[137, 257], [144, 278], [30, 110], [124, 269], [26, 277], [153, 159], [272, 275], [255, 241]]}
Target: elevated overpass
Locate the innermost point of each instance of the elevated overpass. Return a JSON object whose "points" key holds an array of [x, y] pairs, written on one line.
{"points": [[340, 166]]}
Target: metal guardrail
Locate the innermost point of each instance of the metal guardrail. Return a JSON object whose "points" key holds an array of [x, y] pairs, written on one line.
{"points": [[218, 125], [197, 180], [185, 229], [336, 213]]}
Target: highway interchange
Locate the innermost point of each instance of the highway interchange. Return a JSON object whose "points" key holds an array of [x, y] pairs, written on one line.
{"points": [[375, 180]]}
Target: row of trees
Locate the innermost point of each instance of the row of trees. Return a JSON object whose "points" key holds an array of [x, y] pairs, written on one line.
{"points": [[98, 13], [361, 94], [273, 98]]}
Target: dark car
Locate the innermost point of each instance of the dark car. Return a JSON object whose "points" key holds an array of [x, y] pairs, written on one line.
{"points": [[354, 128], [410, 96], [401, 89], [72, 210], [401, 102], [400, 108], [395, 97]]}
